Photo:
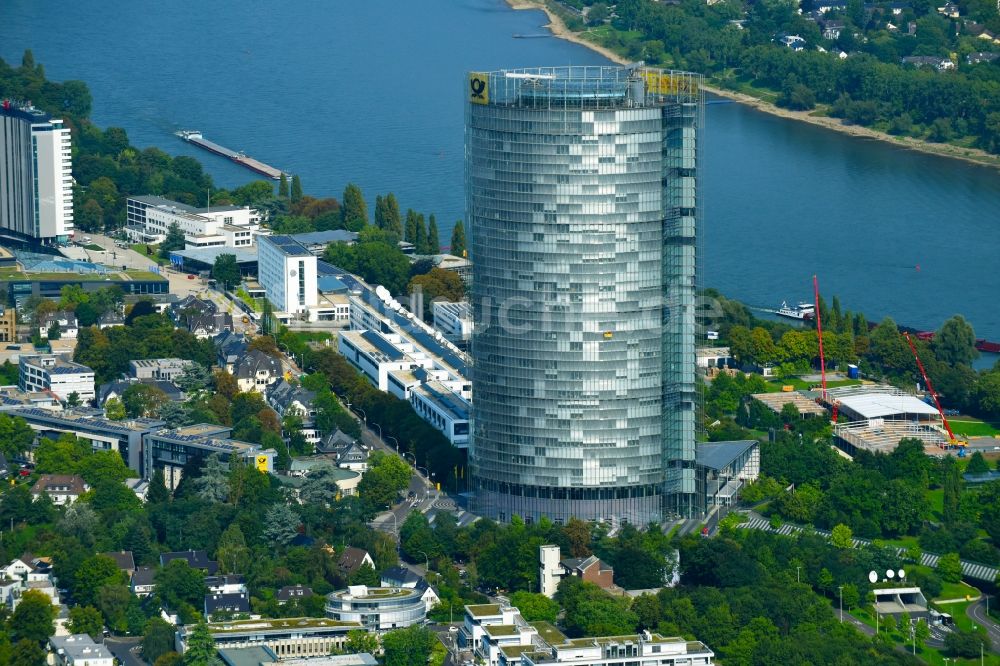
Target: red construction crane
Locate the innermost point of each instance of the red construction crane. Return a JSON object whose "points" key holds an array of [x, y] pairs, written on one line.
{"points": [[819, 335], [930, 387]]}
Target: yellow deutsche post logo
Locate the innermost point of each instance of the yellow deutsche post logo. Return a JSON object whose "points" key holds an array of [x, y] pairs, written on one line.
{"points": [[479, 88], [261, 463]]}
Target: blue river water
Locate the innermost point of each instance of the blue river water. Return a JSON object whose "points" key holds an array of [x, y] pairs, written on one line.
{"points": [[371, 92]]}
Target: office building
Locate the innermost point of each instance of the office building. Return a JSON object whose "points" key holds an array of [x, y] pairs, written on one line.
{"points": [[170, 450], [79, 650], [56, 374], [444, 409], [36, 180], [453, 320], [498, 635], [8, 324], [377, 608], [293, 637], [581, 206], [287, 271], [148, 218]]}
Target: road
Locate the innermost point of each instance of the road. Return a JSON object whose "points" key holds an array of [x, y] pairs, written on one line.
{"points": [[977, 612], [126, 650]]}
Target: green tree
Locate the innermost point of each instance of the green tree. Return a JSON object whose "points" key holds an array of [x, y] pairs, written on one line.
{"points": [[226, 271], [114, 409], [386, 477], [233, 554], [955, 342], [841, 537], [27, 653], [283, 186], [143, 400], [16, 436], [169, 659], [92, 574], [949, 567], [407, 647], [157, 639], [33, 619], [458, 247], [86, 620], [960, 643], [201, 647], [174, 240], [359, 641], [393, 218], [534, 606], [280, 524], [296, 193], [354, 210], [213, 484], [178, 583], [977, 464], [433, 240]]}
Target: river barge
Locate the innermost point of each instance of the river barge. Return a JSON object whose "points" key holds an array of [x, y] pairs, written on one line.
{"points": [[195, 137]]}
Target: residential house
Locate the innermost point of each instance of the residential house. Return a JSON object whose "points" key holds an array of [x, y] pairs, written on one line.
{"points": [[5, 469], [950, 9], [65, 321], [8, 590], [209, 325], [143, 583], [62, 489], [226, 603], [350, 454], [403, 577], [794, 42], [79, 650], [226, 584], [937, 62], [117, 388], [196, 559], [28, 567], [981, 56], [123, 560], [832, 29], [553, 568], [109, 319], [898, 8], [824, 6], [230, 347], [191, 305], [293, 593], [353, 559], [138, 486], [292, 400], [166, 369], [255, 371]]}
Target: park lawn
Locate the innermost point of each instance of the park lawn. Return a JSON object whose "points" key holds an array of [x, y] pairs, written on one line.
{"points": [[93, 247], [973, 427], [957, 591], [936, 499], [775, 385]]}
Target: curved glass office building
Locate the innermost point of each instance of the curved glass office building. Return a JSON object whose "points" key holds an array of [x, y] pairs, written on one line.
{"points": [[581, 207]]}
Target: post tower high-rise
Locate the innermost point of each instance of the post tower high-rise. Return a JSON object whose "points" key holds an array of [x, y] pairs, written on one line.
{"points": [[582, 210]]}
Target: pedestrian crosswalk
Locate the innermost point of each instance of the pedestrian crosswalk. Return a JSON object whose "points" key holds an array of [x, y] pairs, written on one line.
{"points": [[969, 569]]}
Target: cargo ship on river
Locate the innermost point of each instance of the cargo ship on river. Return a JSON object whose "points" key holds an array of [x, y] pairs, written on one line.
{"points": [[195, 137]]}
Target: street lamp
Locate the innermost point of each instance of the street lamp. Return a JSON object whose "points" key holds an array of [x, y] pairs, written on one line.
{"points": [[407, 453], [427, 475], [427, 562], [395, 521], [363, 415], [379, 432], [840, 588], [394, 441]]}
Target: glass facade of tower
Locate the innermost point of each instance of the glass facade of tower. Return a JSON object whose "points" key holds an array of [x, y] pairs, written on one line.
{"points": [[582, 211]]}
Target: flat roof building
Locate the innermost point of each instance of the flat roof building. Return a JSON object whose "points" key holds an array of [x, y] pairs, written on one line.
{"points": [[56, 374], [582, 207], [287, 271], [296, 637], [444, 409], [377, 608], [149, 218], [170, 450], [36, 178]]}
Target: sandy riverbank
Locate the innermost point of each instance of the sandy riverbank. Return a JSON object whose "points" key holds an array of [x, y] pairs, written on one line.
{"points": [[972, 155]]}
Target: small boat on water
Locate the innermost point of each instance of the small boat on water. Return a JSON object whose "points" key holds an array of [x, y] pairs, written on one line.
{"points": [[800, 311]]}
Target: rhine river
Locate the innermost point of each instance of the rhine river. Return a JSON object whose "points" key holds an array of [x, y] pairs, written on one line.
{"points": [[372, 92]]}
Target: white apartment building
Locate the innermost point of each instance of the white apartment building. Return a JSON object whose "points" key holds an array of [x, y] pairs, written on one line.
{"points": [[36, 181], [287, 271], [53, 373], [150, 217], [166, 369], [375, 355], [444, 409], [453, 320], [79, 650]]}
